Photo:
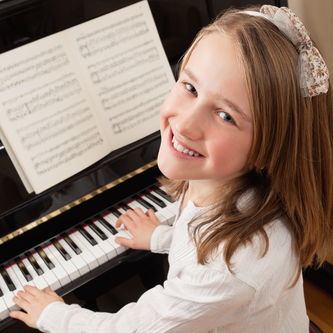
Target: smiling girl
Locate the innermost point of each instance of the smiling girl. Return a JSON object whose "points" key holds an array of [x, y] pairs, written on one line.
{"points": [[247, 152]]}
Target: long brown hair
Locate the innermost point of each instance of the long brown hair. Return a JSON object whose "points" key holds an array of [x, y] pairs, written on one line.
{"points": [[291, 160]]}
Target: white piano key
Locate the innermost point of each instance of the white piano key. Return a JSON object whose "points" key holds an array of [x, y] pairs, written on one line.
{"points": [[77, 260], [160, 217], [68, 266], [15, 280], [21, 277], [122, 227], [100, 255], [119, 248], [38, 280], [87, 256], [170, 217], [173, 207], [4, 312], [121, 231], [48, 275], [7, 296], [58, 270], [109, 250]]}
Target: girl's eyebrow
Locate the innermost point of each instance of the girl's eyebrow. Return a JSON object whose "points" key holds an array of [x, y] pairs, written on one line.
{"points": [[230, 104]]}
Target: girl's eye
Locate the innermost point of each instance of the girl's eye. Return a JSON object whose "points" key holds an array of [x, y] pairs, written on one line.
{"points": [[191, 89], [226, 117]]}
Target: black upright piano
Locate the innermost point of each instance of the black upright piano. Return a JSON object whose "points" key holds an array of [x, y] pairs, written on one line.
{"points": [[84, 206], [44, 238]]}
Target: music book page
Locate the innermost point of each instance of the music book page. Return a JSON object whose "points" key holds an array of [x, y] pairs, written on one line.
{"points": [[69, 99]]}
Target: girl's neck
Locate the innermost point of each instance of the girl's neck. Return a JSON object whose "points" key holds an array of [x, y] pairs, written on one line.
{"points": [[199, 193]]}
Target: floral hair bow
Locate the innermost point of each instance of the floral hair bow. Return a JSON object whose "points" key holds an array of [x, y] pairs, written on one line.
{"points": [[312, 70]]}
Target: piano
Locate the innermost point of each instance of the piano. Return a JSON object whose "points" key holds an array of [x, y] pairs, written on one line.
{"points": [[64, 236]]}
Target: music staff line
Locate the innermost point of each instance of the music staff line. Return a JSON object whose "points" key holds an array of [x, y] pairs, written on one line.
{"points": [[119, 36], [138, 118], [68, 154], [108, 90], [109, 27], [135, 113], [55, 129], [50, 117], [31, 59], [33, 72], [125, 64], [18, 98], [135, 91], [40, 101]]}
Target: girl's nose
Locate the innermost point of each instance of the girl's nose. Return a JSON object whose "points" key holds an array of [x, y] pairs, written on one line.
{"points": [[190, 123]]}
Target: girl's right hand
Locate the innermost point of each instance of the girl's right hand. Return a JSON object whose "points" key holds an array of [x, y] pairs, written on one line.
{"points": [[141, 225]]}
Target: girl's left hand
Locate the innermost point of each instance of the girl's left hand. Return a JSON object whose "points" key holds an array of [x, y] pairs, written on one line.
{"points": [[33, 301]]}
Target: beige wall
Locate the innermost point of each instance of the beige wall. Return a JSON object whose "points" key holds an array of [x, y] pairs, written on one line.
{"points": [[317, 16]]}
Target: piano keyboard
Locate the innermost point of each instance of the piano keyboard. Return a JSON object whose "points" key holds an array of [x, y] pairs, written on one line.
{"points": [[77, 252]]}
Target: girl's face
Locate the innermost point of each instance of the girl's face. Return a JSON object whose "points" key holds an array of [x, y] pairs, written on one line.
{"points": [[208, 115]]}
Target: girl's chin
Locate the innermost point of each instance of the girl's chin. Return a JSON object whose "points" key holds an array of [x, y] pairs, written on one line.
{"points": [[167, 170]]}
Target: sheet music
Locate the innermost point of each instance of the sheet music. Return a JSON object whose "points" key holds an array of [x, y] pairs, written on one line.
{"points": [[46, 115], [69, 99], [126, 71]]}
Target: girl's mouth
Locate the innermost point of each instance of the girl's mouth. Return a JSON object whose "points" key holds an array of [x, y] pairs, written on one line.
{"points": [[183, 149]]}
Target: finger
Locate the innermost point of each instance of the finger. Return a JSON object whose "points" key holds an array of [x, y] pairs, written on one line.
{"points": [[22, 303], [25, 295], [50, 292], [125, 219], [124, 241], [19, 315], [140, 212], [151, 214], [31, 290]]}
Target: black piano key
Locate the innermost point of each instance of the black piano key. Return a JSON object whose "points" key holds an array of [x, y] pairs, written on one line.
{"points": [[116, 213], [23, 269], [1, 293], [87, 236], [34, 263], [156, 200], [107, 225], [98, 231], [45, 258], [163, 194], [126, 207], [7, 279], [145, 203], [61, 250], [71, 243]]}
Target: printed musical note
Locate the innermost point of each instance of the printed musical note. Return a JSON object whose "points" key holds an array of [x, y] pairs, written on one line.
{"points": [[112, 35], [33, 69], [137, 114], [66, 151], [41, 99], [49, 128]]}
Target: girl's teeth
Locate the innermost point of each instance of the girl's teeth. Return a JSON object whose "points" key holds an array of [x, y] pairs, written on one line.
{"points": [[182, 149]]}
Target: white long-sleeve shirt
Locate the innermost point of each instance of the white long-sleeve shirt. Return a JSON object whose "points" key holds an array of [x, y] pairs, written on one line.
{"points": [[204, 298]]}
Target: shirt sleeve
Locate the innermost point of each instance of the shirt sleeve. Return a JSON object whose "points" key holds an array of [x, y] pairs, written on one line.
{"points": [[197, 301], [161, 239]]}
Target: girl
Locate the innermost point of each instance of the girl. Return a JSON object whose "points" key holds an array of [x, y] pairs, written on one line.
{"points": [[246, 140]]}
